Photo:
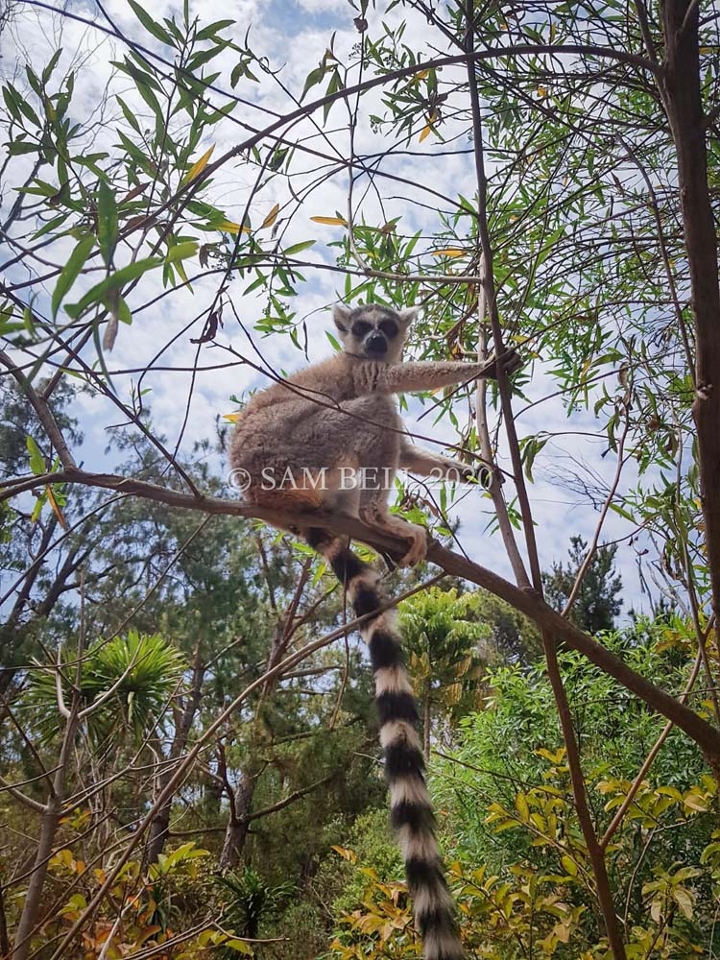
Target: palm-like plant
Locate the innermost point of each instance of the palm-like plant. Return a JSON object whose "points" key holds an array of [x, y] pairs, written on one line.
{"points": [[121, 687], [249, 899]]}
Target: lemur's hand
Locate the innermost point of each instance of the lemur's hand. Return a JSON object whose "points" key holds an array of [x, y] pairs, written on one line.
{"points": [[478, 473], [510, 360]]}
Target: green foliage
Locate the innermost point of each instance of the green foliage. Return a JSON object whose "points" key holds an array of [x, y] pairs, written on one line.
{"points": [[176, 891], [249, 901], [512, 811], [514, 808], [447, 647], [598, 600], [374, 849], [121, 685]]}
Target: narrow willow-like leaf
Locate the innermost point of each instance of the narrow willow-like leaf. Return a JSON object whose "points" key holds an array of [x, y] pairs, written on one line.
{"points": [[330, 221], [197, 168], [160, 33], [114, 281], [37, 460], [70, 271], [107, 220]]}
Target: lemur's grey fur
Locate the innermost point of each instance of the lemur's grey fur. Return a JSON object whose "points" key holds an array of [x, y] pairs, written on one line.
{"points": [[325, 422]]}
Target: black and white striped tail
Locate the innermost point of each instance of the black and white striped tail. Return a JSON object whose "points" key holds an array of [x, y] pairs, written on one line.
{"points": [[411, 812]]}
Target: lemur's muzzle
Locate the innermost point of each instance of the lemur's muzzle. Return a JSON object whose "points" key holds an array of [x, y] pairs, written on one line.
{"points": [[376, 344]]}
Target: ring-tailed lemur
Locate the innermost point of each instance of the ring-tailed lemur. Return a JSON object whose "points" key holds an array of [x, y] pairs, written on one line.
{"points": [[330, 438]]}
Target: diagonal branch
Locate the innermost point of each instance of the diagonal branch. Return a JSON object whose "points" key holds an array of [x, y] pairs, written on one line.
{"points": [[527, 601]]}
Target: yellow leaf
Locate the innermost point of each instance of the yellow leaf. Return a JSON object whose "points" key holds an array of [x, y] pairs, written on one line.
{"points": [[348, 855], [697, 802], [449, 252], [421, 75], [232, 417], [271, 217], [521, 805], [541, 91], [684, 900], [427, 130], [229, 227], [239, 946], [330, 221], [197, 168]]}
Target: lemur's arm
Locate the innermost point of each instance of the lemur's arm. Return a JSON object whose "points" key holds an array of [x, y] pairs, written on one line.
{"points": [[423, 462], [429, 374]]}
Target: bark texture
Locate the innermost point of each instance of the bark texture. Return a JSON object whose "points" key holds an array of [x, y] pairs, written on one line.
{"points": [[682, 96]]}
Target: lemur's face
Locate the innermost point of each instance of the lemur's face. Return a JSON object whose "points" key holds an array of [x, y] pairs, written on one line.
{"points": [[373, 332]]}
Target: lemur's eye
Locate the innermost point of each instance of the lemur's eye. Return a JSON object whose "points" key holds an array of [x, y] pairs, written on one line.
{"points": [[360, 328], [389, 328]]}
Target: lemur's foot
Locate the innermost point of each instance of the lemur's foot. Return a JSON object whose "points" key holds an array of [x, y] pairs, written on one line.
{"points": [[395, 527], [418, 547]]}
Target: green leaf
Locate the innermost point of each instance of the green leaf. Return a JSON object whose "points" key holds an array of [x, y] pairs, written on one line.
{"points": [[138, 75], [10, 98], [116, 280], [48, 71], [160, 33], [37, 460], [29, 321], [50, 225], [37, 510], [202, 57], [71, 270], [129, 115], [623, 513], [17, 147], [239, 946], [123, 312], [107, 216], [298, 247], [7, 323], [312, 79], [181, 251], [334, 86], [27, 110], [151, 100], [213, 28]]}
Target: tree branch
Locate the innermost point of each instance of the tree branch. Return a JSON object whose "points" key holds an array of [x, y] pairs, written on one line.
{"points": [[527, 601], [286, 801]]}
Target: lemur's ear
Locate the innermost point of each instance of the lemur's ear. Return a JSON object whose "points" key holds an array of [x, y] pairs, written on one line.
{"points": [[341, 316], [407, 316]]}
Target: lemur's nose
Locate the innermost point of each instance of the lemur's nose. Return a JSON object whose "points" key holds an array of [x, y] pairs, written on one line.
{"points": [[376, 343]]}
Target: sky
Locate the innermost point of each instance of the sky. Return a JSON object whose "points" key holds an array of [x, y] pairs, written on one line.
{"points": [[186, 391]]}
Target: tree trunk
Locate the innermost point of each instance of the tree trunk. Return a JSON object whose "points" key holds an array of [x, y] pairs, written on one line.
{"points": [[157, 835], [239, 823], [242, 796], [28, 920], [50, 820], [683, 104]]}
